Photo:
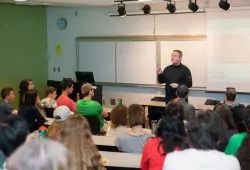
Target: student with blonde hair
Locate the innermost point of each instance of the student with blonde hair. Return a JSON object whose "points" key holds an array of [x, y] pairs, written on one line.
{"points": [[118, 117], [133, 141], [61, 113], [41, 155], [76, 136]]}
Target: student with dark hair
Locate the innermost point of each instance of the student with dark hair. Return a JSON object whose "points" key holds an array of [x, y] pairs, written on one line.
{"points": [[182, 92], [236, 140], [244, 150], [30, 113], [119, 123], [174, 109], [89, 107], [13, 133], [228, 122], [8, 96], [205, 133], [64, 100], [170, 136], [134, 140], [50, 100], [236, 108]]}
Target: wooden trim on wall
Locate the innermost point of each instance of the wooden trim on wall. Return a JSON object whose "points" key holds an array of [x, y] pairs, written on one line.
{"points": [[143, 37]]}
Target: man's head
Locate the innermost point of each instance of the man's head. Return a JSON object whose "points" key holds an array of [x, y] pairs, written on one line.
{"points": [[182, 91], [176, 57], [13, 133], [206, 131], [67, 86], [230, 95], [50, 92], [88, 90], [7, 93]]}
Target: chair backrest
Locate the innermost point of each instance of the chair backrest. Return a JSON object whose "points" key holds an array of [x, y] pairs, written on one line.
{"points": [[49, 112], [94, 124]]}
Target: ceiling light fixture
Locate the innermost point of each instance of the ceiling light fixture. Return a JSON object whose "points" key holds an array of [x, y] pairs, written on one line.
{"points": [[224, 5], [171, 8], [146, 9], [20, 0], [193, 6], [122, 9]]}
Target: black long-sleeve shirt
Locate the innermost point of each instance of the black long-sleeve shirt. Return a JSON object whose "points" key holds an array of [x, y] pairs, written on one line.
{"points": [[175, 74]]}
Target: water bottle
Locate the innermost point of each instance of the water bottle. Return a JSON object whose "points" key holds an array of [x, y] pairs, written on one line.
{"points": [[153, 126], [43, 132], [77, 97], [119, 101]]}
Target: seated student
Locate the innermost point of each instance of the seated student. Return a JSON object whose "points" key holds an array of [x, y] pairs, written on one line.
{"points": [[228, 122], [204, 134], [236, 140], [182, 92], [134, 140], [50, 100], [174, 108], [76, 136], [61, 113], [13, 133], [64, 100], [118, 118], [26, 87], [88, 107], [170, 136], [8, 96], [30, 113], [236, 108], [41, 155], [244, 152]]}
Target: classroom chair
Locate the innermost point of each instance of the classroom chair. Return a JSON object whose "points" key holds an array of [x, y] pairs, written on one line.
{"points": [[94, 124]]}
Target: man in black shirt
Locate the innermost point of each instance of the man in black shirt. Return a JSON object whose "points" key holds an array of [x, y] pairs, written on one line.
{"points": [[174, 75]]}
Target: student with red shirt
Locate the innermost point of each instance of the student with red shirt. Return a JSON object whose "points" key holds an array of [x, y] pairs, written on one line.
{"points": [[170, 136], [64, 100]]}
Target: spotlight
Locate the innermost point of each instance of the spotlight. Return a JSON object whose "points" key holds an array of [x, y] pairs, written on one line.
{"points": [[121, 9], [193, 6], [224, 5], [171, 8], [146, 9]]}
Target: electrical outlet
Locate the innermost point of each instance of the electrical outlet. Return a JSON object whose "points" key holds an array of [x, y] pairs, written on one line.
{"points": [[54, 69], [112, 101]]}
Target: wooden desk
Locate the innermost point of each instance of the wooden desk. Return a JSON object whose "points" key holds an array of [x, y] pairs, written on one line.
{"points": [[122, 160], [49, 121]]}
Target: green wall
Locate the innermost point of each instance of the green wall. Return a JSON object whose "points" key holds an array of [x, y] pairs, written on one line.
{"points": [[23, 46]]}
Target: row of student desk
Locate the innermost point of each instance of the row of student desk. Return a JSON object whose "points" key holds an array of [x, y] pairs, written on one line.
{"points": [[118, 160]]}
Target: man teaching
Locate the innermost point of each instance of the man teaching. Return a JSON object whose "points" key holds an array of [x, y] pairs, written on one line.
{"points": [[174, 75]]}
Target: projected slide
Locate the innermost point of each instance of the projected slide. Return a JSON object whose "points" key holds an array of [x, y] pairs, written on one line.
{"points": [[228, 51]]}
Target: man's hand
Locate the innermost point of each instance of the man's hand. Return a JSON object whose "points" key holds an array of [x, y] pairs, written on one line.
{"points": [[174, 85], [159, 71]]}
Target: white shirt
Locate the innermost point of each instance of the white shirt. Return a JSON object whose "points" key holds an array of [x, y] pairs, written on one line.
{"points": [[49, 103], [193, 159], [120, 130]]}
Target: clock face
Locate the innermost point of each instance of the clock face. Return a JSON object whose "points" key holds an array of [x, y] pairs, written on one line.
{"points": [[61, 23]]}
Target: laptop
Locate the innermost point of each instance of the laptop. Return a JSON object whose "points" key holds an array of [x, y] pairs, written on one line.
{"points": [[86, 77]]}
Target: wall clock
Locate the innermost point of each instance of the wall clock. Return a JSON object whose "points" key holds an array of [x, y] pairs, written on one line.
{"points": [[61, 23]]}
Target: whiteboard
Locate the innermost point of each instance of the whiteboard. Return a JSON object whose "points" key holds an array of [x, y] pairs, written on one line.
{"points": [[194, 57], [136, 62], [99, 58]]}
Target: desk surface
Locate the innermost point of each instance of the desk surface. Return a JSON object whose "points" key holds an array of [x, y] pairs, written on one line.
{"points": [[104, 140], [124, 160], [49, 121]]}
